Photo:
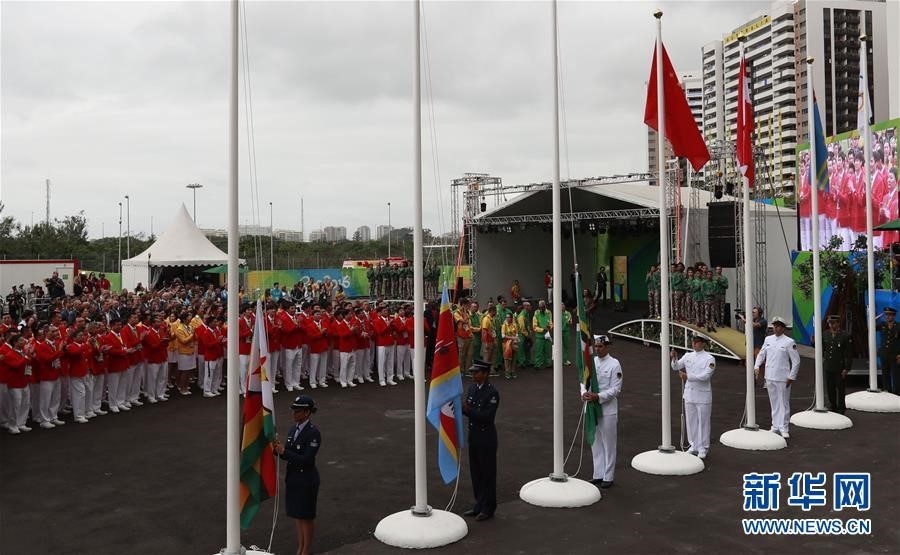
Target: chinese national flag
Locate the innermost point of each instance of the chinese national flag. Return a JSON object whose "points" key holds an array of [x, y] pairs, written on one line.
{"points": [[744, 125], [681, 129]]}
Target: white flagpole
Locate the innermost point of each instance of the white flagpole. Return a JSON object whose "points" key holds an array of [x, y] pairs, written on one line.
{"points": [[233, 447], [871, 400], [819, 417], [685, 241], [419, 527], [665, 459], [558, 490], [749, 436]]}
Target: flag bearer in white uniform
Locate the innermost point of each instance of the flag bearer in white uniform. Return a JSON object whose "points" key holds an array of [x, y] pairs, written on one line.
{"points": [[609, 384], [779, 353], [696, 370]]}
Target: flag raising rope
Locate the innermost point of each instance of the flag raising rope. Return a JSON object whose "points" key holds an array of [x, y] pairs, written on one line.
{"points": [[444, 409], [258, 466]]}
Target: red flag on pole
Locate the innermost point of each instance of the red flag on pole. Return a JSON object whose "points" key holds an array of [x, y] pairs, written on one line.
{"points": [[744, 125], [681, 129]]}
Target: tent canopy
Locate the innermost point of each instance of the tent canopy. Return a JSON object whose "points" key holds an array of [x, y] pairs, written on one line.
{"points": [[893, 224], [182, 244]]}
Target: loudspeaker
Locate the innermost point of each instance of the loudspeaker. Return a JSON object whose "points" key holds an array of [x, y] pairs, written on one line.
{"points": [[722, 234]]}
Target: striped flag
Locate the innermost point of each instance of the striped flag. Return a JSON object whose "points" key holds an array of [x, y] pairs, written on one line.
{"points": [[745, 125], [444, 409], [822, 180], [258, 481], [587, 375]]}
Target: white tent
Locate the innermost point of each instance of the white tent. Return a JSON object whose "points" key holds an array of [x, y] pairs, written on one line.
{"points": [[181, 245]]}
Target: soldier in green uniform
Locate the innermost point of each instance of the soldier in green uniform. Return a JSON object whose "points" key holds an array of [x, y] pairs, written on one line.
{"points": [[526, 339], [502, 311], [651, 291], [708, 290], [541, 323], [370, 277], [889, 351], [721, 289], [678, 289], [837, 356]]}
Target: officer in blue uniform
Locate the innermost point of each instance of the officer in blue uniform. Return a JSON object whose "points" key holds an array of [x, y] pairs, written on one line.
{"points": [[302, 478], [480, 405]]}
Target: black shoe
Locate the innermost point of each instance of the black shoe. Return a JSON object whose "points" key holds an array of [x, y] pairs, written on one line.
{"points": [[606, 485], [483, 516], [597, 482], [470, 512]]}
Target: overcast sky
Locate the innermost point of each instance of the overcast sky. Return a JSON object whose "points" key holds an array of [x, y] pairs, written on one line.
{"points": [[113, 98]]}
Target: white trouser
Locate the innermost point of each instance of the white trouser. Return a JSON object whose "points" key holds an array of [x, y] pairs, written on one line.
{"points": [[780, 399], [347, 368], [112, 385], [218, 370], [162, 380], [20, 400], [6, 420], [291, 367], [97, 391], [317, 368], [404, 364], [137, 380], [360, 357], [77, 392], [697, 420], [210, 369], [274, 365], [604, 448], [151, 383], [385, 364], [88, 393], [124, 388], [245, 361], [49, 406]]}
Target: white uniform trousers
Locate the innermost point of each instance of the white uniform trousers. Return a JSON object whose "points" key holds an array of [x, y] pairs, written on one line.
{"points": [[50, 396], [137, 380], [317, 368], [210, 367], [291, 367], [78, 395], [151, 383], [218, 370], [113, 380], [385, 364], [97, 387], [604, 448], [404, 363], [348, 368], [245, 361], [780, 400], [88, 393], [6, 419], [124, 388], [697, 420], [360, 356], [275, 365], [20, 400]]}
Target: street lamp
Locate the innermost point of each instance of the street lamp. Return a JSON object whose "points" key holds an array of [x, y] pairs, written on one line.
{"points": [[194, 187], [271, 240], [120, 237], [389, 230], [127, 226]]}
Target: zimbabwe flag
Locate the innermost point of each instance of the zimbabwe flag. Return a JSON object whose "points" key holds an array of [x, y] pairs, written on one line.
{"points": [[587, 375]]}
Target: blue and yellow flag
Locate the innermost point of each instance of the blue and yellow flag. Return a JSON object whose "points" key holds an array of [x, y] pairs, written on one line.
{"points": [[445, 390], [821, 153]]}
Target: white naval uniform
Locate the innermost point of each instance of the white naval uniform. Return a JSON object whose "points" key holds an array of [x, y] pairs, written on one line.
{"points": [[782, 360], [699, 367], [609, 384]]}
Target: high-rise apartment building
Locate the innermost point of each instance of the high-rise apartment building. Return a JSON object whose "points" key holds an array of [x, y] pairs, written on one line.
{"points": [[382, 231], [335, 233], [363, 233]]}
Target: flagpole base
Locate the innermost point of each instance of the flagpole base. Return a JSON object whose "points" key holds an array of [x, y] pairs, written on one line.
{"points": [[873, 401], [752, 440], [821, 420], [244, 551], [667, 463], [411, 531], [557, 494]]}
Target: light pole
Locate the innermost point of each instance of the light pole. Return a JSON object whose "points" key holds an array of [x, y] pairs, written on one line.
{"points": [[194, 187], [120, 236], [389, 230], [127, 226], [271, 240]]}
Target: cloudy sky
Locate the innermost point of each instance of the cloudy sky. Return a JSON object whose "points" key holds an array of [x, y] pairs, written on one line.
{"points": [[113, 98]]}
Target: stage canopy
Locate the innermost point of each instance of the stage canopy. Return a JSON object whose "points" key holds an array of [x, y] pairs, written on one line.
{"points": [[182, 245]]}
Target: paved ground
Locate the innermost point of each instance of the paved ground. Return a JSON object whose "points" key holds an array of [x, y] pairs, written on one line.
{"points": [[152, 480]]}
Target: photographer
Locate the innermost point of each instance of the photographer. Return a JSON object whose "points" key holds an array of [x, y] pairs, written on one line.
{"points": [[760, 326], [55, 286]]}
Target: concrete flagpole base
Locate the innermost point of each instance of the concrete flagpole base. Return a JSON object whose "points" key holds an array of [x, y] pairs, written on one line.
{"points": [[546, 492], [752, 440], [821, 420], [873, 401], [245, 551], [667, 463], [411, 531]]}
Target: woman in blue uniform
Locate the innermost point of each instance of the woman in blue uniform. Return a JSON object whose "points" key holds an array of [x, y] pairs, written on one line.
{"points": [[302, 478]]}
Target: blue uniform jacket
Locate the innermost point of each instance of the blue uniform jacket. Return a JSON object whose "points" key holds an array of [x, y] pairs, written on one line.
{"points": [[300, 453]]}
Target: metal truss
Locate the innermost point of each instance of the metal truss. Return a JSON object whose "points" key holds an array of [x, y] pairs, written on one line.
{"points": [[602, 216]]}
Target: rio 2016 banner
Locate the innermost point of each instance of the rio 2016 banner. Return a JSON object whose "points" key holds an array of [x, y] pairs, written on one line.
{"points": [[842, 208]]}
